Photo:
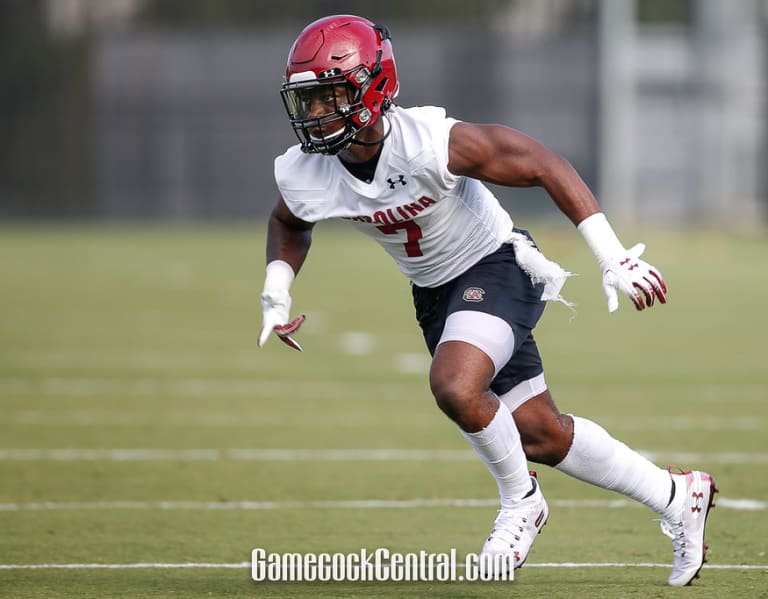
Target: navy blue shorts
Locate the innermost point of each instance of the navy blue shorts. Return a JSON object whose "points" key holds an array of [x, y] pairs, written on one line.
{"points": [[507, 292]]}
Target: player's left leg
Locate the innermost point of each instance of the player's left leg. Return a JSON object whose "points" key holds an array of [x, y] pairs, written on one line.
{"points": [[583, 449]]}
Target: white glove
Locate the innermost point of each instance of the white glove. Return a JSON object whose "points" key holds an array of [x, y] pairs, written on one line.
{"points": [[276, 304], [622, 269], [641, 282]]}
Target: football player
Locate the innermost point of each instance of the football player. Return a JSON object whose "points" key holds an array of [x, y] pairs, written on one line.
{"points": [[412, 179]]}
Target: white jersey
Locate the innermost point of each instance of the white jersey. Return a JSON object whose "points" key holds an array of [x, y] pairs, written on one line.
{"points": [[433, 223]]}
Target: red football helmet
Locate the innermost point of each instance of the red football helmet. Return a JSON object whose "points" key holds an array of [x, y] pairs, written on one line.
{"points": [[341, 50]]}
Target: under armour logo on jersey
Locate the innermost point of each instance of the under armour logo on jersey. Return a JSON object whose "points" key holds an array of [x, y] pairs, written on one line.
{"points": [[400, 179]]}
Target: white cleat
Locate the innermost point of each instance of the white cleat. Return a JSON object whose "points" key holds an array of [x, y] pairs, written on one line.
{"points": [[515, 529], [685, 526]]}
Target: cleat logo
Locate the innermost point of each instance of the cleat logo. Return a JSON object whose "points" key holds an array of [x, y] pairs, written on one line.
{"points": [[697, 501]]}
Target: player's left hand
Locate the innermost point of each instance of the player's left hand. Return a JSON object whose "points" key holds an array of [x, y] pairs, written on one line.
{"points": [[640, 281]]}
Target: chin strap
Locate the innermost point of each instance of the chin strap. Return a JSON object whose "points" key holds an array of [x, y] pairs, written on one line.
{"points": [[378, 141]]}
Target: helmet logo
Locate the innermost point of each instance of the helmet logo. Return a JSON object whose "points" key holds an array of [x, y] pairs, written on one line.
{"points": [[335, 72]]}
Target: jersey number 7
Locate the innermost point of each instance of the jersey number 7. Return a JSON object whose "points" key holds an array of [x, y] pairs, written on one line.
{"points": [[413, 232]]}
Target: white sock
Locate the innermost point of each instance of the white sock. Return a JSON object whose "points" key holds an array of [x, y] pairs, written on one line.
{"points": [[499, 446], [597, 458]]}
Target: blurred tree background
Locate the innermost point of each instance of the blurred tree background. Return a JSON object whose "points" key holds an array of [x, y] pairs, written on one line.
{"points": [[43, 114], [59, 158]]}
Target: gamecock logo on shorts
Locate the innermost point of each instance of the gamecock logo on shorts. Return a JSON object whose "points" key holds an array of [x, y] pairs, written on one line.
{"points": [[473, 294]]}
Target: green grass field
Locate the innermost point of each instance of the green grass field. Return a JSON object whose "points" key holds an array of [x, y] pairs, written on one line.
{"points": [[136, 410]]}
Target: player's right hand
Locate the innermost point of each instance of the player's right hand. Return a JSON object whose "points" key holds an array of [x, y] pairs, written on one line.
{"points": [[640, 281], [276, 305]]}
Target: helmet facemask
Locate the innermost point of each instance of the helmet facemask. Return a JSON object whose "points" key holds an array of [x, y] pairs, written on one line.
{"points": [[339, 50], [315, 104]]}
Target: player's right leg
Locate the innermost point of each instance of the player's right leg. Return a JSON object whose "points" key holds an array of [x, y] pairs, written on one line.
{"points": [[473, 326], [459, 377]]}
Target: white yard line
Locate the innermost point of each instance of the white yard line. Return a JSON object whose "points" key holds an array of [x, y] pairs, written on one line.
{"points": [[195, 387], [329, 455], [238, 419], [192, 388], [722, 502], [117, 566], [156, 565]]}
